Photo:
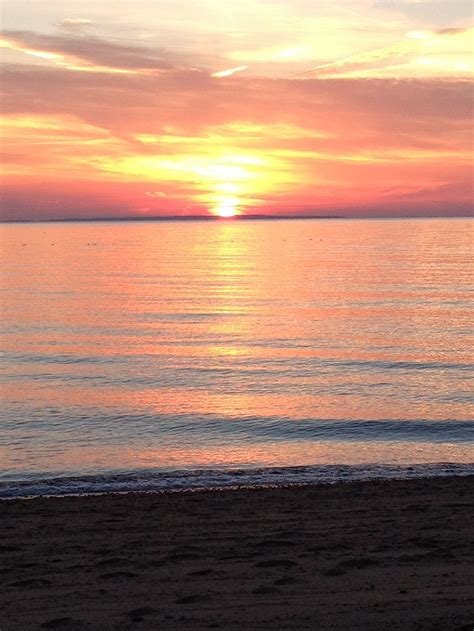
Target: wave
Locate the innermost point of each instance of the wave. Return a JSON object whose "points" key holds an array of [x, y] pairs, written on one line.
{"points": [[212, 479]]}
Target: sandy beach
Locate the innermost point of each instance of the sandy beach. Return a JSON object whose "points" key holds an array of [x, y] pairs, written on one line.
{"points": [[372, 555]]}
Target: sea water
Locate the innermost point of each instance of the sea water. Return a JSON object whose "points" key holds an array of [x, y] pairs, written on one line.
{"points": [[181, 354]]}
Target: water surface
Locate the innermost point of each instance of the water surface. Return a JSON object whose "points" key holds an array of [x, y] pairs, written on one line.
{"points": [[163, 346]]}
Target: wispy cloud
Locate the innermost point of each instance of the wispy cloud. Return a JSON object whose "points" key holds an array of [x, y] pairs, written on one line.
{"points": [[399, 49], [89, 53], [228, 73], [417, 46], [74, 22]]}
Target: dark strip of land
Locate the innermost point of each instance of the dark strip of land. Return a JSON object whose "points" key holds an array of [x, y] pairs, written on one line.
{"points": [[247, 217]]}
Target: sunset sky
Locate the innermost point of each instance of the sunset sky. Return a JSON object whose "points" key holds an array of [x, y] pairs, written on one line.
{"points": [[117, 108]]}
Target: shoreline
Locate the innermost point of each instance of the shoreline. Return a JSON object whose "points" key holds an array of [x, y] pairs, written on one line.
{"points": [[393, 554], [211, 218], [165, 481]]}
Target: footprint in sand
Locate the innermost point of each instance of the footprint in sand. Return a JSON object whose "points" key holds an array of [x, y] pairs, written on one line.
{"points": [[183, 556], [285, 580], [358, 563], [201, 572], [333, 571], [188, 600], [114, 562], [31, 582], [9, 549], [117, 576], [62, 623], [276, 563], [138, 614], [263, 589], [274, 543]]}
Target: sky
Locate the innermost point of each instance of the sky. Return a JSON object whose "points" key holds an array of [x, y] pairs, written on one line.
{"points": [[120, 108]]}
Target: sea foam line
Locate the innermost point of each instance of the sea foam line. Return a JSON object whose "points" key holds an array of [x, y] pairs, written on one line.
{"points": [[153, 481]]}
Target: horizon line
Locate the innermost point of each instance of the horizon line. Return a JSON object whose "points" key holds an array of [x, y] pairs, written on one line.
{"points": [[247, 217]]}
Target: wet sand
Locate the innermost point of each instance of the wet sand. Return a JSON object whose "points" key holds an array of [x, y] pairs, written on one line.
{"points": [[370, 556]]}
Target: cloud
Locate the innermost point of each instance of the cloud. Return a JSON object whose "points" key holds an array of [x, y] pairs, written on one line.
{"points": [[400, 49], [451, 31], [89, 53], [114, 142], [185, 103], [443, 52], [429, 11], [229, 72], [158, 194], [74, 22]]}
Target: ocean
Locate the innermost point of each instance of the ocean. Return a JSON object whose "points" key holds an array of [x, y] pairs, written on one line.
{"points": [[164, 355]]}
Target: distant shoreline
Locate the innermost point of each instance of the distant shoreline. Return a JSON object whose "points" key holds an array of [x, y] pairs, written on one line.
{"points": [[211, 218]]}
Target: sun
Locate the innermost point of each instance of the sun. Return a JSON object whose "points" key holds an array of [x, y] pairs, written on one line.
{"points": [[226, 212], [227, 207]]}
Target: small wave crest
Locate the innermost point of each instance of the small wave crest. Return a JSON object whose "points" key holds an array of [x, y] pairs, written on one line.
{"points": [[183, 480]]}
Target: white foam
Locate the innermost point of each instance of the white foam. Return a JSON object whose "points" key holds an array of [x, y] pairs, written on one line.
{"points": [[179, 481]]}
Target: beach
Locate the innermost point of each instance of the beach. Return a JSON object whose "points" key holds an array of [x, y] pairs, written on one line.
{"points": [[360, 555]]}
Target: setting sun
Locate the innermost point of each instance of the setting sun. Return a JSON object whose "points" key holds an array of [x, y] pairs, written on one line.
{"points": [[226, 212], [227, 207]]}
